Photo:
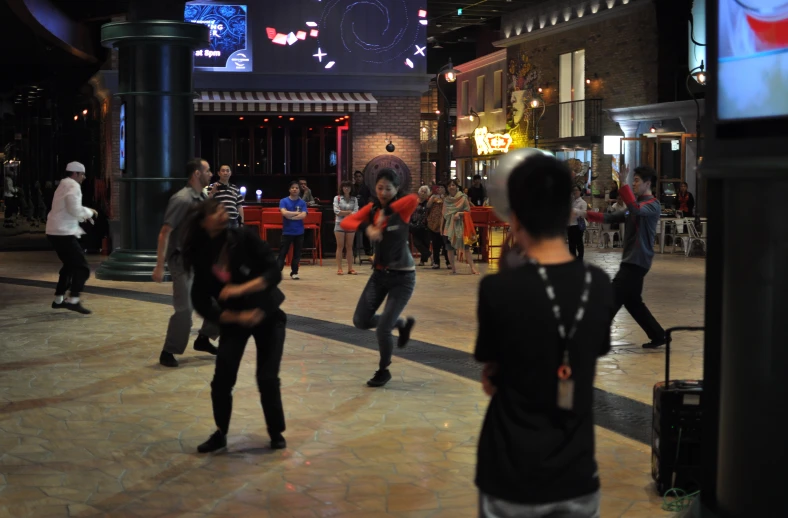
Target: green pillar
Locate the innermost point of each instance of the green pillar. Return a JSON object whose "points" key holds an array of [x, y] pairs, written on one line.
{"points": [[155, 75]]}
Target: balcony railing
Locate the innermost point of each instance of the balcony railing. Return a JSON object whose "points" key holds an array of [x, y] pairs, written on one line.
{"points": [[572, 119]]}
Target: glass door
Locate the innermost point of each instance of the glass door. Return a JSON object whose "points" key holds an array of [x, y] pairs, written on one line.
{"points": [[669, 169]]}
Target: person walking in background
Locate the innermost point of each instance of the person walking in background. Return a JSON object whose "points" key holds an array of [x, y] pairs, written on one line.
{"points": [[641, 219], [418, 226], [345, 204], [230, 197], [576, 224], [686, 201], [386, 222], [294, 211], [63, 232], [435, 225], [455, 205], [236, 284], [543, 322], [170, 249]]}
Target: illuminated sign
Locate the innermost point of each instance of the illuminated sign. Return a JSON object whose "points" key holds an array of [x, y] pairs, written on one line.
{"points": [[123, 137], [230, 48], [488, 143]]}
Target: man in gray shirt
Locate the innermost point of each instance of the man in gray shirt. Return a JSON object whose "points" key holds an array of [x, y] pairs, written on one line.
{"points": [[198, 171], [641, 219]]}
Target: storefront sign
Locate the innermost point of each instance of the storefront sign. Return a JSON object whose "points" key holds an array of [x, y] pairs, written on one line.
{"points": [[489, 143], [230, 48]]}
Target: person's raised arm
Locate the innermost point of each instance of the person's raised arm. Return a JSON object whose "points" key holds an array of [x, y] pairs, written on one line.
{"points": [[405, 206], [357, 221]]}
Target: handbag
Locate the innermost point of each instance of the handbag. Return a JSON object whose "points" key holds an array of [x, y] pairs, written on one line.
{"points": [[581, 224]]}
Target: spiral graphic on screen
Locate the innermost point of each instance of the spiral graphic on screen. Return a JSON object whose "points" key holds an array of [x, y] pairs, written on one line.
{"points": [[379, 30]]}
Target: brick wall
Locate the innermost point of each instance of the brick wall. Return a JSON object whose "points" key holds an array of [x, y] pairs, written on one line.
{"points": [[623, 54], [397, 119]]}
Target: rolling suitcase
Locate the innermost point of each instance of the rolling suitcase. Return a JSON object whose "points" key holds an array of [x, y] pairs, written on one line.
{"points": [[676, 428]]}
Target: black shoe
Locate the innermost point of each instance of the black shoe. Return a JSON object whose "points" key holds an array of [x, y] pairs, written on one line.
{"points": [[380, 378], [203, 344], [215, 442], [404, 332], [168, 359], [654, 344], [278, 442], [55, 305], [76, 307]]}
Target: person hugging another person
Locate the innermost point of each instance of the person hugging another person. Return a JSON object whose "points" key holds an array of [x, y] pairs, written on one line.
{"points": [[454, 207], [543, 322], [345, 204], [386, 222]]}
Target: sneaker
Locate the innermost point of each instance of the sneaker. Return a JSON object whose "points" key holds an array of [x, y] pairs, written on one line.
{"points": [[380, 378], [436, 267], [404, 332], [55, 305], [654, 344], [215, 442], [203, 344], [278, 442], [294, 276], [78, 307], [167, 359]]}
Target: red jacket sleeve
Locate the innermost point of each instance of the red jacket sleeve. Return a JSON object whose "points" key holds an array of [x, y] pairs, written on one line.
{"points": [[352, 222], [406, 206], [595, 217], [627, 196]]}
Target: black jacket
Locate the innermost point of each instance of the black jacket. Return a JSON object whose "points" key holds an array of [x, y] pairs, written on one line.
{"points": [[250, 257]]}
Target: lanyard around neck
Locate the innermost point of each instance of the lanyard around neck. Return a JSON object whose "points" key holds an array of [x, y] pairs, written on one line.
{"points": [[581, 306]]}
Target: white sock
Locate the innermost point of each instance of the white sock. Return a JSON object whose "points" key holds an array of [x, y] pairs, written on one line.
{"points": [[58, 299], [73, 300]]}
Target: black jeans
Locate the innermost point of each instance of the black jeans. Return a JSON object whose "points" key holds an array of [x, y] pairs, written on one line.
{"points": [[284, 246], [399, 286], [437, 246], [421, 240], [11, 208], [628, 292], [576, 247], [269, 337], [75, 271]]}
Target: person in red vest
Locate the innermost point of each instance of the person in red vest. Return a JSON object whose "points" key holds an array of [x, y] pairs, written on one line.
{"points": [[641, 218]]}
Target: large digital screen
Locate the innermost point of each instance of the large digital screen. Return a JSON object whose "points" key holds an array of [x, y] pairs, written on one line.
{"points": [[230, 49], [345, 36], [753, 59]]}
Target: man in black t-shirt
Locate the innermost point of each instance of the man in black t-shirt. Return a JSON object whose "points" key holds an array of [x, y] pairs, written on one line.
{"points": [[536, 449], [477, 193]]}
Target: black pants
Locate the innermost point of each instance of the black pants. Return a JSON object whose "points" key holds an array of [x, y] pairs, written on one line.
{"points": [[628, 292], [284, 246], [75, 271], [576, 247], [394, 286], [269, 337], [437, 246], [421, 240], [11, 208]]}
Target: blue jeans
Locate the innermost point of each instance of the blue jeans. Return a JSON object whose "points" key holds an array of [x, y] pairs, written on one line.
{"points": [[582, 507], [398, 286]]}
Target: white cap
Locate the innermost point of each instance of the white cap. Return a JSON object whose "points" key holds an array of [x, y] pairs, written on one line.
{"points": [[75, 167]]}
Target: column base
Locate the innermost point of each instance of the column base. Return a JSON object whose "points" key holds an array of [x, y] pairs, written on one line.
{"points": [[130, 265]]}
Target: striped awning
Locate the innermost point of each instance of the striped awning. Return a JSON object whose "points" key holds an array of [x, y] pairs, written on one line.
{"points": [[288, 102]]}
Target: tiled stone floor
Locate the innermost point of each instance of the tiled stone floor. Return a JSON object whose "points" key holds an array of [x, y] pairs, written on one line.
{"points": [[92, 426]]}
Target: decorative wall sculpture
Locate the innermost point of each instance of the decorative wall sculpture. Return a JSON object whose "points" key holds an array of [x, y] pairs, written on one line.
{"points": [[523, 85]]}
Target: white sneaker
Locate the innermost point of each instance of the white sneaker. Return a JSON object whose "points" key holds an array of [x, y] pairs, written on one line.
{"points": [[294, 276]]}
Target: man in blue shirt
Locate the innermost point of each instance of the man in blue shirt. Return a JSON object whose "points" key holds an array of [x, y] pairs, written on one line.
{"points": [[293, 210]]}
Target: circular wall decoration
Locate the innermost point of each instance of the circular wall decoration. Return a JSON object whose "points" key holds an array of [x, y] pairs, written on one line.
{"points": [[392, 162]]}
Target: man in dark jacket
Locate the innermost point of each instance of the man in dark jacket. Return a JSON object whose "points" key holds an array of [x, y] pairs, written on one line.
{"points": [[641, 219]]}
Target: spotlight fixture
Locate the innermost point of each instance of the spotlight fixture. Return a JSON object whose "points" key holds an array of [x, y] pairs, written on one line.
{"points": [[84, 112], [653, 129], [76, 117], [240, 118], [390, 147]]}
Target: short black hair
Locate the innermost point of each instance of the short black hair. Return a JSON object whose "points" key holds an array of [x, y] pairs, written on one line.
{"points": [[646, 174], [292, 183], [455, 182], [540, 190], [477, 177], [388, 174], [193, 165], [302, 180], [358, 172]]}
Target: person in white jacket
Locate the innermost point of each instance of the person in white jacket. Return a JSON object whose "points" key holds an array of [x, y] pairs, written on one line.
{"points": [[63, 231]]}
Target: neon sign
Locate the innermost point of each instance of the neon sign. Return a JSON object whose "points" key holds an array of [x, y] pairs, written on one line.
{"points": [[489, 143]]}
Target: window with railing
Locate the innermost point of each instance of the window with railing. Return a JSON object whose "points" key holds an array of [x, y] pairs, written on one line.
{"points": [[571, 93]]}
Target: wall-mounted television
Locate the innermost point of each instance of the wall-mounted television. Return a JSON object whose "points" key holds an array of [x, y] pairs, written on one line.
{"points": [[752, 64], [230, 48]]}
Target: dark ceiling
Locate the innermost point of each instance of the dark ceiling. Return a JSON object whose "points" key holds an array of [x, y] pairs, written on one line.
{"points": [[444, 20]]}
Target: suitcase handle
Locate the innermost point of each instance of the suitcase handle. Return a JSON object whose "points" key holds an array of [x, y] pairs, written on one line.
{"points": [[668, 339]]}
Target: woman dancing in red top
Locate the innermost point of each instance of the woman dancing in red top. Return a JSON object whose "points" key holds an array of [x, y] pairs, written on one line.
{"points": [[386, 222]]}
